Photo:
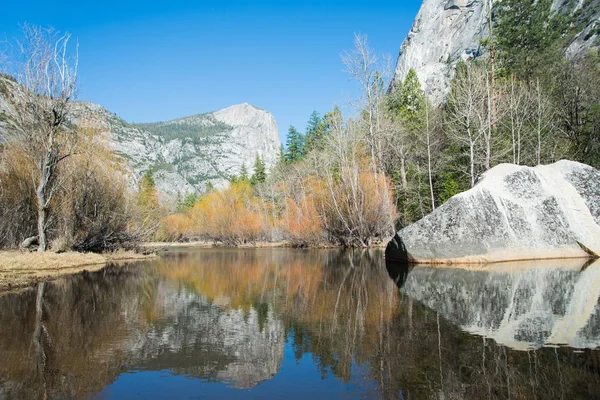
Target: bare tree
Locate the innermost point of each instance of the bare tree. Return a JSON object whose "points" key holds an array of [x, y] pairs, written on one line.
{"points": [[517, 106], [47, 71], [543, 115], [431, 142], [371, 72], [356, 201], [468, 112]]}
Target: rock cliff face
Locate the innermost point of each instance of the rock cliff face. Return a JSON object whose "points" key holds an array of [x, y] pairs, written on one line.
{"points": [[186, 153], [513, 213], [446, 31]]}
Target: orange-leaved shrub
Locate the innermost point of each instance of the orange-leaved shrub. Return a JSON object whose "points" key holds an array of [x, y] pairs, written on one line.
{"points": [[231, 216], [91, 209], [175, 227], [358, 208], [301, 222], [18, 209]]}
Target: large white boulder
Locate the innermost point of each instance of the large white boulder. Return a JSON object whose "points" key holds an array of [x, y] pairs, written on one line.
{"points": [[513, 213], [523, 305]]}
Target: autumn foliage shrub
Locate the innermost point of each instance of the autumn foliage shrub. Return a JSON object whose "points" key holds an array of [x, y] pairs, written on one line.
{"points": [[175, 227], [17, 197], [348, 210], [231, 216], [91, 209], [357, 209], [301, 222]]}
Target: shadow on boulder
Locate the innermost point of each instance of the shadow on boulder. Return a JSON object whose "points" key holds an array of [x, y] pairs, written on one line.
{"points": [[396, 250]]}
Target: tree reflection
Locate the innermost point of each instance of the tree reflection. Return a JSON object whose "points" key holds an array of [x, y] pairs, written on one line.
{"points": [[223, 315], [343, 309], [65, 339]]}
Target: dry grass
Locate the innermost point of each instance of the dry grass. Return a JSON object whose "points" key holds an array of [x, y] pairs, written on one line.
{"points": [[19, 269]]}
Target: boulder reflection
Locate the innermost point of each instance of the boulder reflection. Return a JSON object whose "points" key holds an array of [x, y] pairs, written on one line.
{"points": [[521, 305], [226, 316]]}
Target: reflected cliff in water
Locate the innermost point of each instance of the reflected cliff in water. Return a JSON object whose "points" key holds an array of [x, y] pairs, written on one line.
{"points": [[294, 323]]}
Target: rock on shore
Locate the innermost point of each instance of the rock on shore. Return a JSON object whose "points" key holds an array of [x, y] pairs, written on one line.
{"points": [[513, 213]]}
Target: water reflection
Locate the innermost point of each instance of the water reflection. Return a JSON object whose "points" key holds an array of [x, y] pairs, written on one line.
{"points": [[233, 321], [521, 305]]}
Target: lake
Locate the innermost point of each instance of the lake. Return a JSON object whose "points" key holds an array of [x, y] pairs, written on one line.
{"points": [[317, 324]]}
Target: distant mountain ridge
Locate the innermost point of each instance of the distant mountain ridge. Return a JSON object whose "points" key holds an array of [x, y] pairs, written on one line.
{"points": [[185, 154]]}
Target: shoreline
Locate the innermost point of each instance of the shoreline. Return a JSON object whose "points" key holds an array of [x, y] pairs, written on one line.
{"points": [[19, 270], [157, 246]]}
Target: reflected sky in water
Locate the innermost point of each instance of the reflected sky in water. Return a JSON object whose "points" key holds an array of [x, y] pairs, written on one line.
{"points": [[283, 323]]}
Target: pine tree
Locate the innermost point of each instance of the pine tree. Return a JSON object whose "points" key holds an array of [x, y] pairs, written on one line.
{"points": [[148, 195], [188, 201], [260, 174], [316, 131], [409, 102], [527, 34], [178, 201], [243, 173], [295, 145], [282, 156]]}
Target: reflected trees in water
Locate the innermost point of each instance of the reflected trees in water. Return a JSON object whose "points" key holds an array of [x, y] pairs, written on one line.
{"points": [[226, 315]]}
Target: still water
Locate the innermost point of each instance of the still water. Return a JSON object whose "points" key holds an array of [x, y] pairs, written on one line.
{"points": [[282, 323]]}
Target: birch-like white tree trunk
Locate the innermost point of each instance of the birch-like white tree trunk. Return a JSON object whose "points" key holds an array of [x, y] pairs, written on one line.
{"points": [[47, 71]]}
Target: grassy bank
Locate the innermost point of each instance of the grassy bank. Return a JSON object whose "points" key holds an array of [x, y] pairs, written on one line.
{"points": [[21, 269]]}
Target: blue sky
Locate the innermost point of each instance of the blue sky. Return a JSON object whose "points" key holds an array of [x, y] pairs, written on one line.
{"points": [[155, 61]]}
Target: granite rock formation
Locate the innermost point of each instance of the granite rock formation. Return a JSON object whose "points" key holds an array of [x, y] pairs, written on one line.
{"points": [[185, 154], [447, 31], [522, 305], [513, 213]]}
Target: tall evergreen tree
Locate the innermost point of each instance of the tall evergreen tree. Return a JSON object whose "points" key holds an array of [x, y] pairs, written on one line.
{"points": [[260, 173], [331, 117], [527, 36], [148, 195], [187, 202], [316, 131], [409, 102], [295, 145], [243, 173]]}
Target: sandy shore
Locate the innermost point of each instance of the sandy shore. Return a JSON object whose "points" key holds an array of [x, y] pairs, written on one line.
{"points": [[21, 269]]}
